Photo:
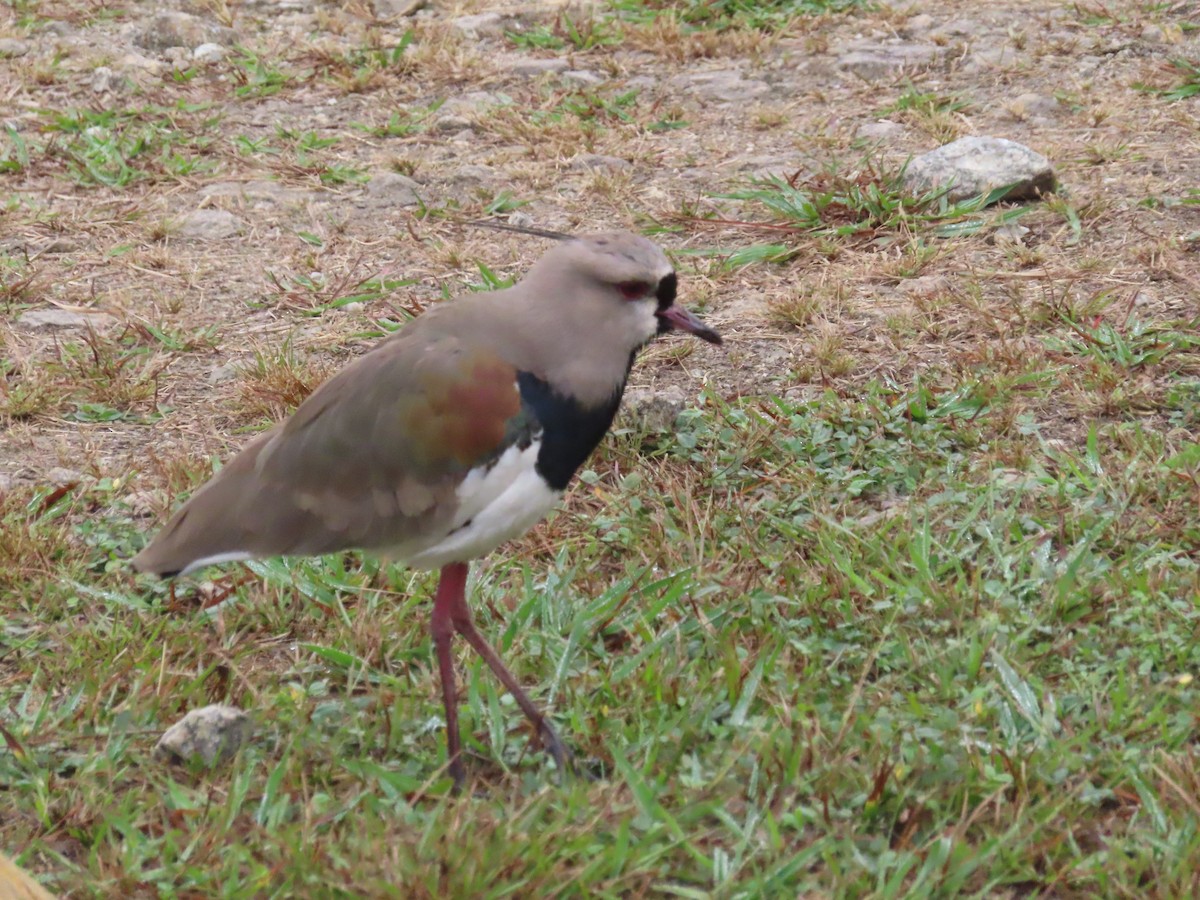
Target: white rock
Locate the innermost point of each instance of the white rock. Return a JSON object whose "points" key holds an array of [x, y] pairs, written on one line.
{"points": [[725, 85], [208, 53], [976, 165], [209, 225], [13, 47], [652, 410], [211, 734], [481, 25], [55, 319], [597, 161], [106, 81], [531, 68], [393, 189], [874, 62]]}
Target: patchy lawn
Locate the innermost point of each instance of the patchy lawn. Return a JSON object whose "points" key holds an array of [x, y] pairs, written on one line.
{"points": [[906, 605]]}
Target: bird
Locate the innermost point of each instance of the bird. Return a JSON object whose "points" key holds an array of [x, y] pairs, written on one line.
{"points": [[448, 438]]}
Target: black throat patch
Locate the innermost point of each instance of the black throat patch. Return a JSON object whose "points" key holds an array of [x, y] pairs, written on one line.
{"points": [[570, 430]]}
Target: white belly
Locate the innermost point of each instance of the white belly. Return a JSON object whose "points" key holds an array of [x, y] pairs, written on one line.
{"points": [[495, 505]]}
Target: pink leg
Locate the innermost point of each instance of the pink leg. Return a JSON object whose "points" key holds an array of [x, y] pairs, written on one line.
{"points": [[450, 595], [460, 614]]}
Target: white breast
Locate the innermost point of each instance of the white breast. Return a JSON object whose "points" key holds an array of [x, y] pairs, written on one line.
{"points": [[496, 504]]}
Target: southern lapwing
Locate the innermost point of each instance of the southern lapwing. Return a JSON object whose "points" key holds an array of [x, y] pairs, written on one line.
{"points": [[449, 438]]}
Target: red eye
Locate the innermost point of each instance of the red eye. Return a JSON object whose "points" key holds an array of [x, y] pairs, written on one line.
{"points": [[634, 290]]}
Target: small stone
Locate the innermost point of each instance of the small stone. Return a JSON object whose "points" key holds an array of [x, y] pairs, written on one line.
{"points": [[653, 410], [396, 9], [876, 62], [144, 503], [1012, 233], [221, 374], [393, 189], [211, 734], [472, 173], [1027, 105], [879, 131], [208, 53], [976, 165], [481, 25], [137, 63], [451, 123], [597, 161], [60, 475], [55, 319], [209, 225], [583, 78], [925, 286], [178, 29], [531, 68], [1166, 33], [13, 47], [725, 85], [106, 81], [918, 24]]}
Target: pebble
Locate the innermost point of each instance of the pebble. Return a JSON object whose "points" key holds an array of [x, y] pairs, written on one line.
{"points": [[54, 318], [208, 53], [209, 225], [393, 189], [652, 410], [532, 68], [211, 734], [724, 85], [876, 62], [13, 47]]}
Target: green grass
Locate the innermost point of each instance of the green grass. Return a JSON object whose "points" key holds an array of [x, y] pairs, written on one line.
{"points": [[726, 14], [871, 646]]}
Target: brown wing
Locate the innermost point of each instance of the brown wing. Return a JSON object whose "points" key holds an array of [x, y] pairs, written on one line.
{"points": [[370, 460]]}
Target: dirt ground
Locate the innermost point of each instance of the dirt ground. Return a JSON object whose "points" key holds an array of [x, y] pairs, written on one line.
{"points": [[188, 330]]}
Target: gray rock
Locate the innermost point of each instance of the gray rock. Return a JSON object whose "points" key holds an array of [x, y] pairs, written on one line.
{"points": [[208, 53], [451, 123], [13, 47], [178, 29], [652, 410], [226, 372], [975, 165], [208, 225], [874, 62], [583, 78], [918, 24], [472, 173], [481, 25], [395, 9], [597, 161], [1031, 105], [135, 62], [393, 189], [881, 130], [106, 81], [532, 68], [55, 319], [61, 475], [724, 85], [1013, 233], [211, 734]]}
